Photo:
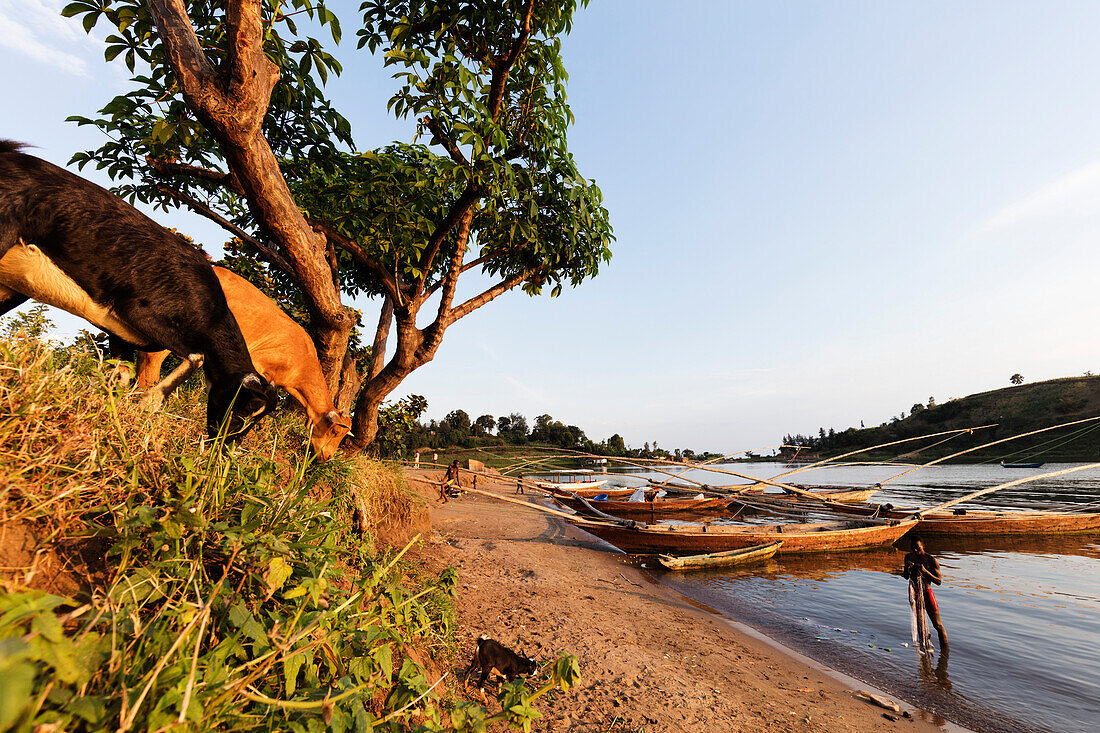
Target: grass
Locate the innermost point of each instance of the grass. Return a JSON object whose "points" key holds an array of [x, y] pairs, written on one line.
{"points": [[153, 583]]}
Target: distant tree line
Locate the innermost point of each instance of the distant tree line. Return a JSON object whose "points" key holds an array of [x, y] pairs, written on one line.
{"points": [[403, 431]]}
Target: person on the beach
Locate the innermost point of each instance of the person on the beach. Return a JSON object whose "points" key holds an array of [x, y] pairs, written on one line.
{"points": [[919, 561], [450, 481]]}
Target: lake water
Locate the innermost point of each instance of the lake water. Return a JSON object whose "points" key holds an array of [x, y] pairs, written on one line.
{"points": [[1022, 614]]}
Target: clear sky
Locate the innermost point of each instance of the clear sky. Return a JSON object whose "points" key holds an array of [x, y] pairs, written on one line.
{"points": [[824, 212]]}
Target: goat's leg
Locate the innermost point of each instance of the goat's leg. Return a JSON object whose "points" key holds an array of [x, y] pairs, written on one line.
{"points": [[156, 396], [9, 300]]}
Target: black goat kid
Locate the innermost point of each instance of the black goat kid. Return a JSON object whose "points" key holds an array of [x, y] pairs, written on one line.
{"points": [[67, 242], [491, 655]]}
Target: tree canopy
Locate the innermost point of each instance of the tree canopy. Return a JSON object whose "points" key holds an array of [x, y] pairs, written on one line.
{"points": [[227, 115]]}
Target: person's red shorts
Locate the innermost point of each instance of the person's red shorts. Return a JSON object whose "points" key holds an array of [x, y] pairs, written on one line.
{"points": [[930, 599]]}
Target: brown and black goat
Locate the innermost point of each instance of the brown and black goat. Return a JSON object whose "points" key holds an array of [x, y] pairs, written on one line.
{"points": [[69, 243]]}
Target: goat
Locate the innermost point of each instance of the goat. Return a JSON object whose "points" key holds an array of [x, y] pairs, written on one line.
{"points": [[67, 242], [282, 352], [492, 655]]}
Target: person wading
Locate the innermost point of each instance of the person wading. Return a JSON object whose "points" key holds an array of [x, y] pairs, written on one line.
{"points": [[920, 568]]}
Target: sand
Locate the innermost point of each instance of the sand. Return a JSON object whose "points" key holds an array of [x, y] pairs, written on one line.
{"points": [[651, 660]]}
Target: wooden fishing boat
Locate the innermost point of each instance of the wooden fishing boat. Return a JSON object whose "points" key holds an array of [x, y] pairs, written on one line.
{"points": [[1039, 464], [583, 488], [706, 538], [648, 507], [616, 492], [730, 558], [983, 522], [831, 493]]}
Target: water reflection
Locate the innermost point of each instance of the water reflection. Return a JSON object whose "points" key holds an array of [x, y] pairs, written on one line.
{"points": [[938, 673]]}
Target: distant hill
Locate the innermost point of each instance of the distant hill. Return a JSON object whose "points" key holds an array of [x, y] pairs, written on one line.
{"points": [[1015, 410]]}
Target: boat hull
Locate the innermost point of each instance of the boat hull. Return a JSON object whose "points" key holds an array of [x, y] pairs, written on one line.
{"points": [[796, 538]]}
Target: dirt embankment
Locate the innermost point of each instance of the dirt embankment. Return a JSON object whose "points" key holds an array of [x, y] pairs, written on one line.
{"points": [[650, 660]]}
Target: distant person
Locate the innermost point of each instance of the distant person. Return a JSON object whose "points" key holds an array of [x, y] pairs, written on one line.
{"points": [[920, 565], [416, 460], [450, 481]]}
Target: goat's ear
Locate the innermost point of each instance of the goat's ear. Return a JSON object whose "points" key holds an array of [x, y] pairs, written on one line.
{"points": [[332, 417], [257, 395]]}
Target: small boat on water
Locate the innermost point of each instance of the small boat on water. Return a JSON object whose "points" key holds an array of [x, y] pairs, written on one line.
{"points": [[1038, 464], [707, 538], [650, 506], [730, 558]]}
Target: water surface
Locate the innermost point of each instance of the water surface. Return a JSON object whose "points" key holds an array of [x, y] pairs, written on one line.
{"points": [[1022, 614]]}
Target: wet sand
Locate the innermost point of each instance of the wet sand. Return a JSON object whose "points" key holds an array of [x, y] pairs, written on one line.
{"points": [[651, 660]]}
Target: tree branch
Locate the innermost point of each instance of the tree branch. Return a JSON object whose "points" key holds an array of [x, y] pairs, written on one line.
{"points": [[252, 74], [171, 167], [352, 247], [445, 140], [491, 294], [381, 335], [450, 280], [461, 207], [502, 65], [194, 71], [200, 208]]}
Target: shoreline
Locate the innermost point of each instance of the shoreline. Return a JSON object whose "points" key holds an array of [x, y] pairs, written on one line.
{"points": [[651, 659]]}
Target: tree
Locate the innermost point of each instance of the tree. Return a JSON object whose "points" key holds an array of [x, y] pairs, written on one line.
{"points": [[616, 445], [1016, 379], [517, 426], [458, 420], [931, 402], [916, 408], [485, 424], [230, 121], [504, 424]]}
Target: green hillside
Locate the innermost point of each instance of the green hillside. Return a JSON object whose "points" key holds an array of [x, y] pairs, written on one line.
{"points": [[1015, 410]]}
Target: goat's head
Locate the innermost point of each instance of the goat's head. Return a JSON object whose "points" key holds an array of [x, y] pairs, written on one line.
{"points": [[527, 665], [241, 401], [327, 432]]}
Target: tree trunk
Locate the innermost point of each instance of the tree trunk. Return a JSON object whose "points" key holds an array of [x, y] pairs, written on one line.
{"points": [[350, 382], [231, 102], [412, 351]]}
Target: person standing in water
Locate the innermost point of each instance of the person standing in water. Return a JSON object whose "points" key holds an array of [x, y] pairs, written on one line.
{"points": [[920, 565]]}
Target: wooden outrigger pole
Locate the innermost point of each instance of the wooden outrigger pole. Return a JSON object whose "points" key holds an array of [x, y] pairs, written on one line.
{"points": [[998, 487], [987, 445], [818, 464]]}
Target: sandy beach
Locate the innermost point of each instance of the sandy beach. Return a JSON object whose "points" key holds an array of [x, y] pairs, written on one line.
{"points": [[651, 660]]}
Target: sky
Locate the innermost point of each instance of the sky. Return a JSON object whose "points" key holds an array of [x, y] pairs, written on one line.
{"points": [[824, 212]]}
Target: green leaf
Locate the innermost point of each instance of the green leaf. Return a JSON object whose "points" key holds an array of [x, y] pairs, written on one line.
{"points": [[16, 684]]}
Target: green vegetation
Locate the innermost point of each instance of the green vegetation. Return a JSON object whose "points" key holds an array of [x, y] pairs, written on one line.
{"points": [[151, 584], [1017, 409]]}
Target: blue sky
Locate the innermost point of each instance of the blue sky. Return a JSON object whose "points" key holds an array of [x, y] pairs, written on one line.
{"points": [[824, 212]]}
